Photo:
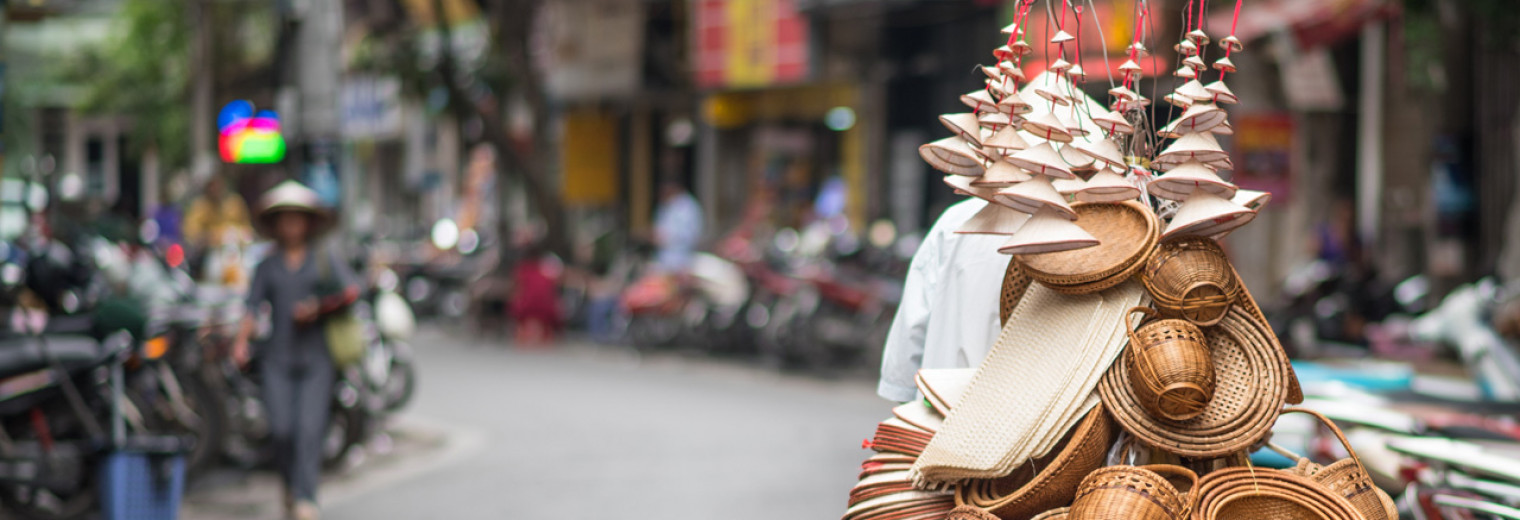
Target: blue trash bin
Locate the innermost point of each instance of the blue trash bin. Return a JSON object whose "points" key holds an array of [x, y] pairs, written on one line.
{"points": [[144, 479]]}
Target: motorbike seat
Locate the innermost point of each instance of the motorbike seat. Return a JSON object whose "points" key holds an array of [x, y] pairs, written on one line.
{"points": [[21, 354]]}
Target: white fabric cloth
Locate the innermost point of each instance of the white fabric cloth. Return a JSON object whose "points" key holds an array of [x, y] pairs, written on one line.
{"points": [[678, 224], [948, 317]]}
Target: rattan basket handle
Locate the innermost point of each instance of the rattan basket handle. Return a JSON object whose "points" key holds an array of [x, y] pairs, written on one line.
{"points": [[1333, 429], [1129, 325]]}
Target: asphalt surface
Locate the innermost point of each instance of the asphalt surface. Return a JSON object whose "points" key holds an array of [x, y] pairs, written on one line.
{"points": [[588, 432]]}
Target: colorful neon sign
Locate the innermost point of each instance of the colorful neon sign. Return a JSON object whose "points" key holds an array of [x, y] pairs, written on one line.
{"points": [[249, 137]]}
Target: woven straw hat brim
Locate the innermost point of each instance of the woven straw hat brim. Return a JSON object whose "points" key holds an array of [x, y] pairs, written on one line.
{"points": [[1206, 214], [1048, 232], [963, 184], [919, 415], [954, 156], [292, 197], [1034, 196], [944, 387], [1126, 232], [1201, 117], [994, 220], [1182, 181], [1001, 174], [1049, 127], [1042, 159], [1107, 186], [1051, 481], [912, 501], [1251, 384], [964, 124], [1015, 283]]}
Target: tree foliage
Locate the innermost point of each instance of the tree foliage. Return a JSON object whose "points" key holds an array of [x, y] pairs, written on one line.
{"points": [[143, 72]]}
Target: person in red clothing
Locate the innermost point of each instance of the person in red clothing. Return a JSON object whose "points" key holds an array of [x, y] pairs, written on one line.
{"points": [[535, 297]]}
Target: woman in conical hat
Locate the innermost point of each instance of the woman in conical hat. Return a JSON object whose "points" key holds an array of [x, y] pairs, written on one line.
{"points": [[300, 285]]}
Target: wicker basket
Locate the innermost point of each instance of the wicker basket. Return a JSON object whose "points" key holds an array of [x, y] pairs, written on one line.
{"points": [[970, 513], [1049, 482], [1054, 514], [1015, 282], [1127, 233], [1347, 477], [1192, 279], [1156, 492], [1251, 384], [1170, 367]]}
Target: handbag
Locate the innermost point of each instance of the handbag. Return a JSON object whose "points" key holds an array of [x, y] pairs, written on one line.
{"points": [[344, 334]]}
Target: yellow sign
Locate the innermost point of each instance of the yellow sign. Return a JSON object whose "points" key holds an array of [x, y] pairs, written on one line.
{"points": [[590, 159], [752, 46]]}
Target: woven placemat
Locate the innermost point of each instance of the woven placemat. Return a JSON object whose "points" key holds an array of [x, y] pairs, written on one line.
{"points": [[1015, 282]]}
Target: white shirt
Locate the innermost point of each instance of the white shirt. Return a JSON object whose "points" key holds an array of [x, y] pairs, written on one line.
{"points": [[948, 317]]}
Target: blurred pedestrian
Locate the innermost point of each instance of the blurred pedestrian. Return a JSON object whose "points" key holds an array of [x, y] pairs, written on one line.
{"points": [[215, 216], [535, 296], [302, 284], [948, 317], [678, 224]]}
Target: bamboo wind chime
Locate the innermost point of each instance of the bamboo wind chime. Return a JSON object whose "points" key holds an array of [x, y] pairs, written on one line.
{"points": [[1079, 409]]}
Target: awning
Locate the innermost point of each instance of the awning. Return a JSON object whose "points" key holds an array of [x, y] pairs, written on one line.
{"points": [[1314, 23]]}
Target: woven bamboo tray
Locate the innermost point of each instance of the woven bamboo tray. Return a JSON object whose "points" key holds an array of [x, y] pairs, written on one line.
{"points": [[1015, 282], [1048, 482], [1126, 232]]}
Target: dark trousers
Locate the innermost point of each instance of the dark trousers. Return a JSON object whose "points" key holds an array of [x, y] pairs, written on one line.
{"points": [[298, 402]]}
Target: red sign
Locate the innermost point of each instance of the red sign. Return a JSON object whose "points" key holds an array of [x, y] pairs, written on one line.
{"points": [[750, 43], [1264, 153]]}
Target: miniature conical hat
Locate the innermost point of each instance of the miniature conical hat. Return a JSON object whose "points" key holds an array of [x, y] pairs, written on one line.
{"points": [[1139, 49], [1062, 37], [1107, 186], [1052, 95], [962, 185], [1195, 90], [978, 99], [1016, 102], [1252, 199], [993, 73], [1130, 66], [1060, 65], [1196, 145], [999, 175], [1006, 138], [1076, 73], [1207, 215], [993, 220], [1004, 53], [1072, 123], [1021, 48], [1033, 195], [1185, 72], [1231, 43], [1200, 117], [1224, 128], [1010, 68], [1182, 182], [1068, 187], [1048, 126], [1186, 48], [1113, 122], [952, 155], [1134, 102], [1103, 150], [1198, 37], [1041, 159], [1077, 161], [964, 124], [1047, 232], [1195, 62], [1011, 28], [1170, 130], [1221, 92], [1224, 64], [1179, 100], [993, 119]]}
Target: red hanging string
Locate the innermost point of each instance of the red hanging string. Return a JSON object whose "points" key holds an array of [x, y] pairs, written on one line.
{"points": [[1079, 35], [1199, 18]]}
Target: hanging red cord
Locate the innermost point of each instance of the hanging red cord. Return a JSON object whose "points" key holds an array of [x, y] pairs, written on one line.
{"points": [[1079, 35]]}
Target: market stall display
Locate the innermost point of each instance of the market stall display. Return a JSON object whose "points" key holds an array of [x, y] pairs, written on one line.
{"points": [[1134, 374]]}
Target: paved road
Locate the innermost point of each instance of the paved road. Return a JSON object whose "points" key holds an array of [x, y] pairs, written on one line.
{"points": [[589, 433]]}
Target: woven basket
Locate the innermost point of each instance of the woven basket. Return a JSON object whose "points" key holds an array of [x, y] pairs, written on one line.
{"points": [[1192, 279], [1049, 482], [1015, 282], [1054, 514], [970, 513], [1170, 367], [1156, 492], [1347, 477], [1248, 302], [1250, 385], [1127, 233]]}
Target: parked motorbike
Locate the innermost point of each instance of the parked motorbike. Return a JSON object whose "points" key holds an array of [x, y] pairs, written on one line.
{"points": [[843, 309]]}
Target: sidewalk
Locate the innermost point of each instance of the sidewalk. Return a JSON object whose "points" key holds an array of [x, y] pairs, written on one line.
{"points": [[414, 446]]}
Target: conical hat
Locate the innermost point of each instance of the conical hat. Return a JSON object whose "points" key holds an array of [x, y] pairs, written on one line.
{"points": [[1113, 122], [1195, 62], [1033, 195], [1041, 159], [292, 196], [1006, 138], [1021, 48], [1076, 161], [1181, 182], [1011, 28], [993, 73], [962, 185], [1170, 130], [1185, 72], [1179, 100], [952, 155], [1198, 37], [1139, 49], [1048, 126], [1252, 199], [1107, 186], [1058, 66], [1224, 64], [1231, 43], [1200, 117], [1004, 53], [1103, 150], [964, 124], [1015, 102], [993, 119], [1196, 145], [978, 99], [993, 220], [1047, 232], [1224, 128], [1011, 69], [1068, 187], [1075, 73], [1207, 215], [1194, 89], [1001, 174], [1129, 66], [1186, 48], [1051, 94], [1221, 92], [1062, 37], [1072, 122]]}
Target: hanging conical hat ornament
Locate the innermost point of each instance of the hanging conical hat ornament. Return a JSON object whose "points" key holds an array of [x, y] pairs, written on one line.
{"points": [[1014, 103], [1195, 62], [1068, 187], [1107, 186], [1042, 159], [1181, 182], [978, 100], [1005, 52], [1104, 151], [1006, 139], [1113, 123], [1059, 66], [1197, 145], [1170, 130], [1047, 232], [965, 125], [1011, 70], [1221, 93], [1224, 64], [1001, 174], [1130, 67], [1198, 37], [1035, 194], [1137, 50], [1252, 199], [1062, 37], [994, 220], [1076, 161], [993, 120], [954, 156], [1052, 94], [1231, 43], [1224, 128], [1195, 90], [1200, 117], [1076, 73], [962, 185], [1207, 214], [993, 73], [1048, 126], [1071, 121], [1186, 48], [1185, 72], [1181, 101]]}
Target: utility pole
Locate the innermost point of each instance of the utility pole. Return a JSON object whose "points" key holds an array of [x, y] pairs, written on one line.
{"points": [[202, 80]]}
